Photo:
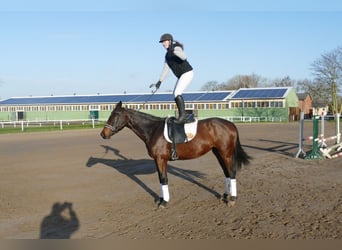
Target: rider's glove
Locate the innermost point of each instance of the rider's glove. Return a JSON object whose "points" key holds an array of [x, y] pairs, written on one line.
{"points": [[157, 85]]}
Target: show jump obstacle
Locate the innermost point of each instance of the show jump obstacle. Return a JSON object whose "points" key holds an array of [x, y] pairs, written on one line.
{"points": [[320, 148]]}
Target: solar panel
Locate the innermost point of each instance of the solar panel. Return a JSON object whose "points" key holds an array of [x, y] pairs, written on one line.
{"points": [[158, 97], [260, 93], [219, 96], [192, 96]]}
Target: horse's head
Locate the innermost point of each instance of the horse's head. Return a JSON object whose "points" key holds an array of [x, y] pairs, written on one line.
{"points": [[116, 121]]}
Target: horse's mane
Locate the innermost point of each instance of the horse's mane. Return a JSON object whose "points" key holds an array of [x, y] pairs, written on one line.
{"points": [[145, 115]]}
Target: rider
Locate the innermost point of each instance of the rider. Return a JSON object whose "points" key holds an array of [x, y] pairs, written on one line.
{"points": [[176, 60]]}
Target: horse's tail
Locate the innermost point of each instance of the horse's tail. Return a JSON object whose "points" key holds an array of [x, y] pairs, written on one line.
{"points": [[240, 156]]}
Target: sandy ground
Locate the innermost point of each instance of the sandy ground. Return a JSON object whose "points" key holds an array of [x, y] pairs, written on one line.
{"points": [[73, 184]]}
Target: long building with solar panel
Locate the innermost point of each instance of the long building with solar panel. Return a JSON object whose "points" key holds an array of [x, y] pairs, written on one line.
{"points": [[278, 103]]}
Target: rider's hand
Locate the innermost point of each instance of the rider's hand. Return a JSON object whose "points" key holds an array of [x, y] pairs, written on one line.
{"points": [[157, 85]]}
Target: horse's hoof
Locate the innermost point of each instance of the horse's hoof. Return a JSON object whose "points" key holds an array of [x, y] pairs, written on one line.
{"points": [[162, 203], [232, 201], [225, 198], [229, 200]]}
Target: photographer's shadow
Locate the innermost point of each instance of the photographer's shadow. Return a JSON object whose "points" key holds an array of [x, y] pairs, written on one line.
{"points": [[132, 168], [61, 223]]}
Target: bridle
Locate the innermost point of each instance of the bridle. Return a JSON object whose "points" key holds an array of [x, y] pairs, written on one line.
{"points": [[109, 127]]}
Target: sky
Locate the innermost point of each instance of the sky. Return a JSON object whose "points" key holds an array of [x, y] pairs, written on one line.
{"points": [[83, 47]]}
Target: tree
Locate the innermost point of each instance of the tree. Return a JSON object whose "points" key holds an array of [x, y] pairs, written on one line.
{"points": [[211, 86], [318, 91], [302, 86], [284, 82], [328, 72], [243, 81]]}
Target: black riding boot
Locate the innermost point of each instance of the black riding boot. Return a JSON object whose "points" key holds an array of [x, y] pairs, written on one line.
{"points": [[181, 109]]}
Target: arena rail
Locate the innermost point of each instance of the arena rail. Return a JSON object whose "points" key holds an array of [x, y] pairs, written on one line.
{"points": [[54, 123]]}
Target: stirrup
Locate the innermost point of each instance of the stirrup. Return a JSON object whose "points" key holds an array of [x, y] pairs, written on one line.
{"points": [[174, 155]]}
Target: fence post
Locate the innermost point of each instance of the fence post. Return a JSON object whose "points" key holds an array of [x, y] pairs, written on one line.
{"points": [[61, 125], [314, 154], [321, 137], [22, 126], [301, 153], [338, 133]]}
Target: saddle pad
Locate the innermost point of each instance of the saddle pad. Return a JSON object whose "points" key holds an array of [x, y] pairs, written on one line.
{"points": [[190, 130]]}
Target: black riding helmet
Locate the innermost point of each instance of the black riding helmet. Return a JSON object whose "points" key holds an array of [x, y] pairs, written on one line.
{"points": [[166, 37]]}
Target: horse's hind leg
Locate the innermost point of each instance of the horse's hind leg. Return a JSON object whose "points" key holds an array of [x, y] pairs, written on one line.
{"points": [[226, 163]]}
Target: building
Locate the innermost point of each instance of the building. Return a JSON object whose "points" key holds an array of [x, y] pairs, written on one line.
{"points": [[320, 108], [305, 104], [264, 103]]}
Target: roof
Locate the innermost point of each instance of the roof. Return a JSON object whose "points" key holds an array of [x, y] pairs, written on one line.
{"points": [[199, 96], [319, 104], [114, 98], [261, 93], [302, 96]]}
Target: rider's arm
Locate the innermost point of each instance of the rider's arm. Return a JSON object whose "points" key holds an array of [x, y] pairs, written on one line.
{"points": [[164, 72], [179, 52]]}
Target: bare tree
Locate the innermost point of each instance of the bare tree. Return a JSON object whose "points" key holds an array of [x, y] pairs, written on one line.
{"points": [[302, 86], [211, 86], [284, 82], [328, 71], [243, 81]]}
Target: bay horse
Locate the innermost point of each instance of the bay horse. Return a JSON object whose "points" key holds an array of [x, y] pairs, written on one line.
{"points": [[215, 134]]}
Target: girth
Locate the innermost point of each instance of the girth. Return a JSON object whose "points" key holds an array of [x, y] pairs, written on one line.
{"points": [[177, 134]]}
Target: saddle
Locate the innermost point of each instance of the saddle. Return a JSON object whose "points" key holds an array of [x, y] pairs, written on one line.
{"points": [[179, 133]]}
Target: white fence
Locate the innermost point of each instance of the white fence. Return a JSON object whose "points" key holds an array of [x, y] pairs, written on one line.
{"points": [[92, 122], [54, 123], [252, 119]]}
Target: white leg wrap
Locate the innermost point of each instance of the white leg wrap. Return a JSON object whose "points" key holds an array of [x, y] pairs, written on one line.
{"points": [[164, 192], [227, 187], [233, 189]]}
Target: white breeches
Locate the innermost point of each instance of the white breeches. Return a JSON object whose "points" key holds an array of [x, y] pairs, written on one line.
{"points": [[182, 83]]}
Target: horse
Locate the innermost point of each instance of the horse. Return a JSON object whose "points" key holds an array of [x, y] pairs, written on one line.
{"points": [[216, 134]]}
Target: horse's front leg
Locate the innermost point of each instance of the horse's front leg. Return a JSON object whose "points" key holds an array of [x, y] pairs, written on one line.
{"points": [[164, 196]]}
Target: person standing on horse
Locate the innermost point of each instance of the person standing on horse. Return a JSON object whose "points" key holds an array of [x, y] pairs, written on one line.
{"points": [[176, 60]]}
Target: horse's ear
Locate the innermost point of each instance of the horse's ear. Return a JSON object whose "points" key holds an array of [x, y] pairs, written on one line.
{"points": [[119, 105]]}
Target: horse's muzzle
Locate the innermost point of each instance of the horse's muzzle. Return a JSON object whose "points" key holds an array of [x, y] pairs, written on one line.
{"points": [[104, 135]]}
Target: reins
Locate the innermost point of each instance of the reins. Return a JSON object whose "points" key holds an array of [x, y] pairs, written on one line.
{"points": [[148, 99], [143, 105]]}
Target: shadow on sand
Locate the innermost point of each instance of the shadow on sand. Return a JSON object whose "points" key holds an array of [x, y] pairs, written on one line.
{"points": [[132, 168], [60, 223], [279, 147]]}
